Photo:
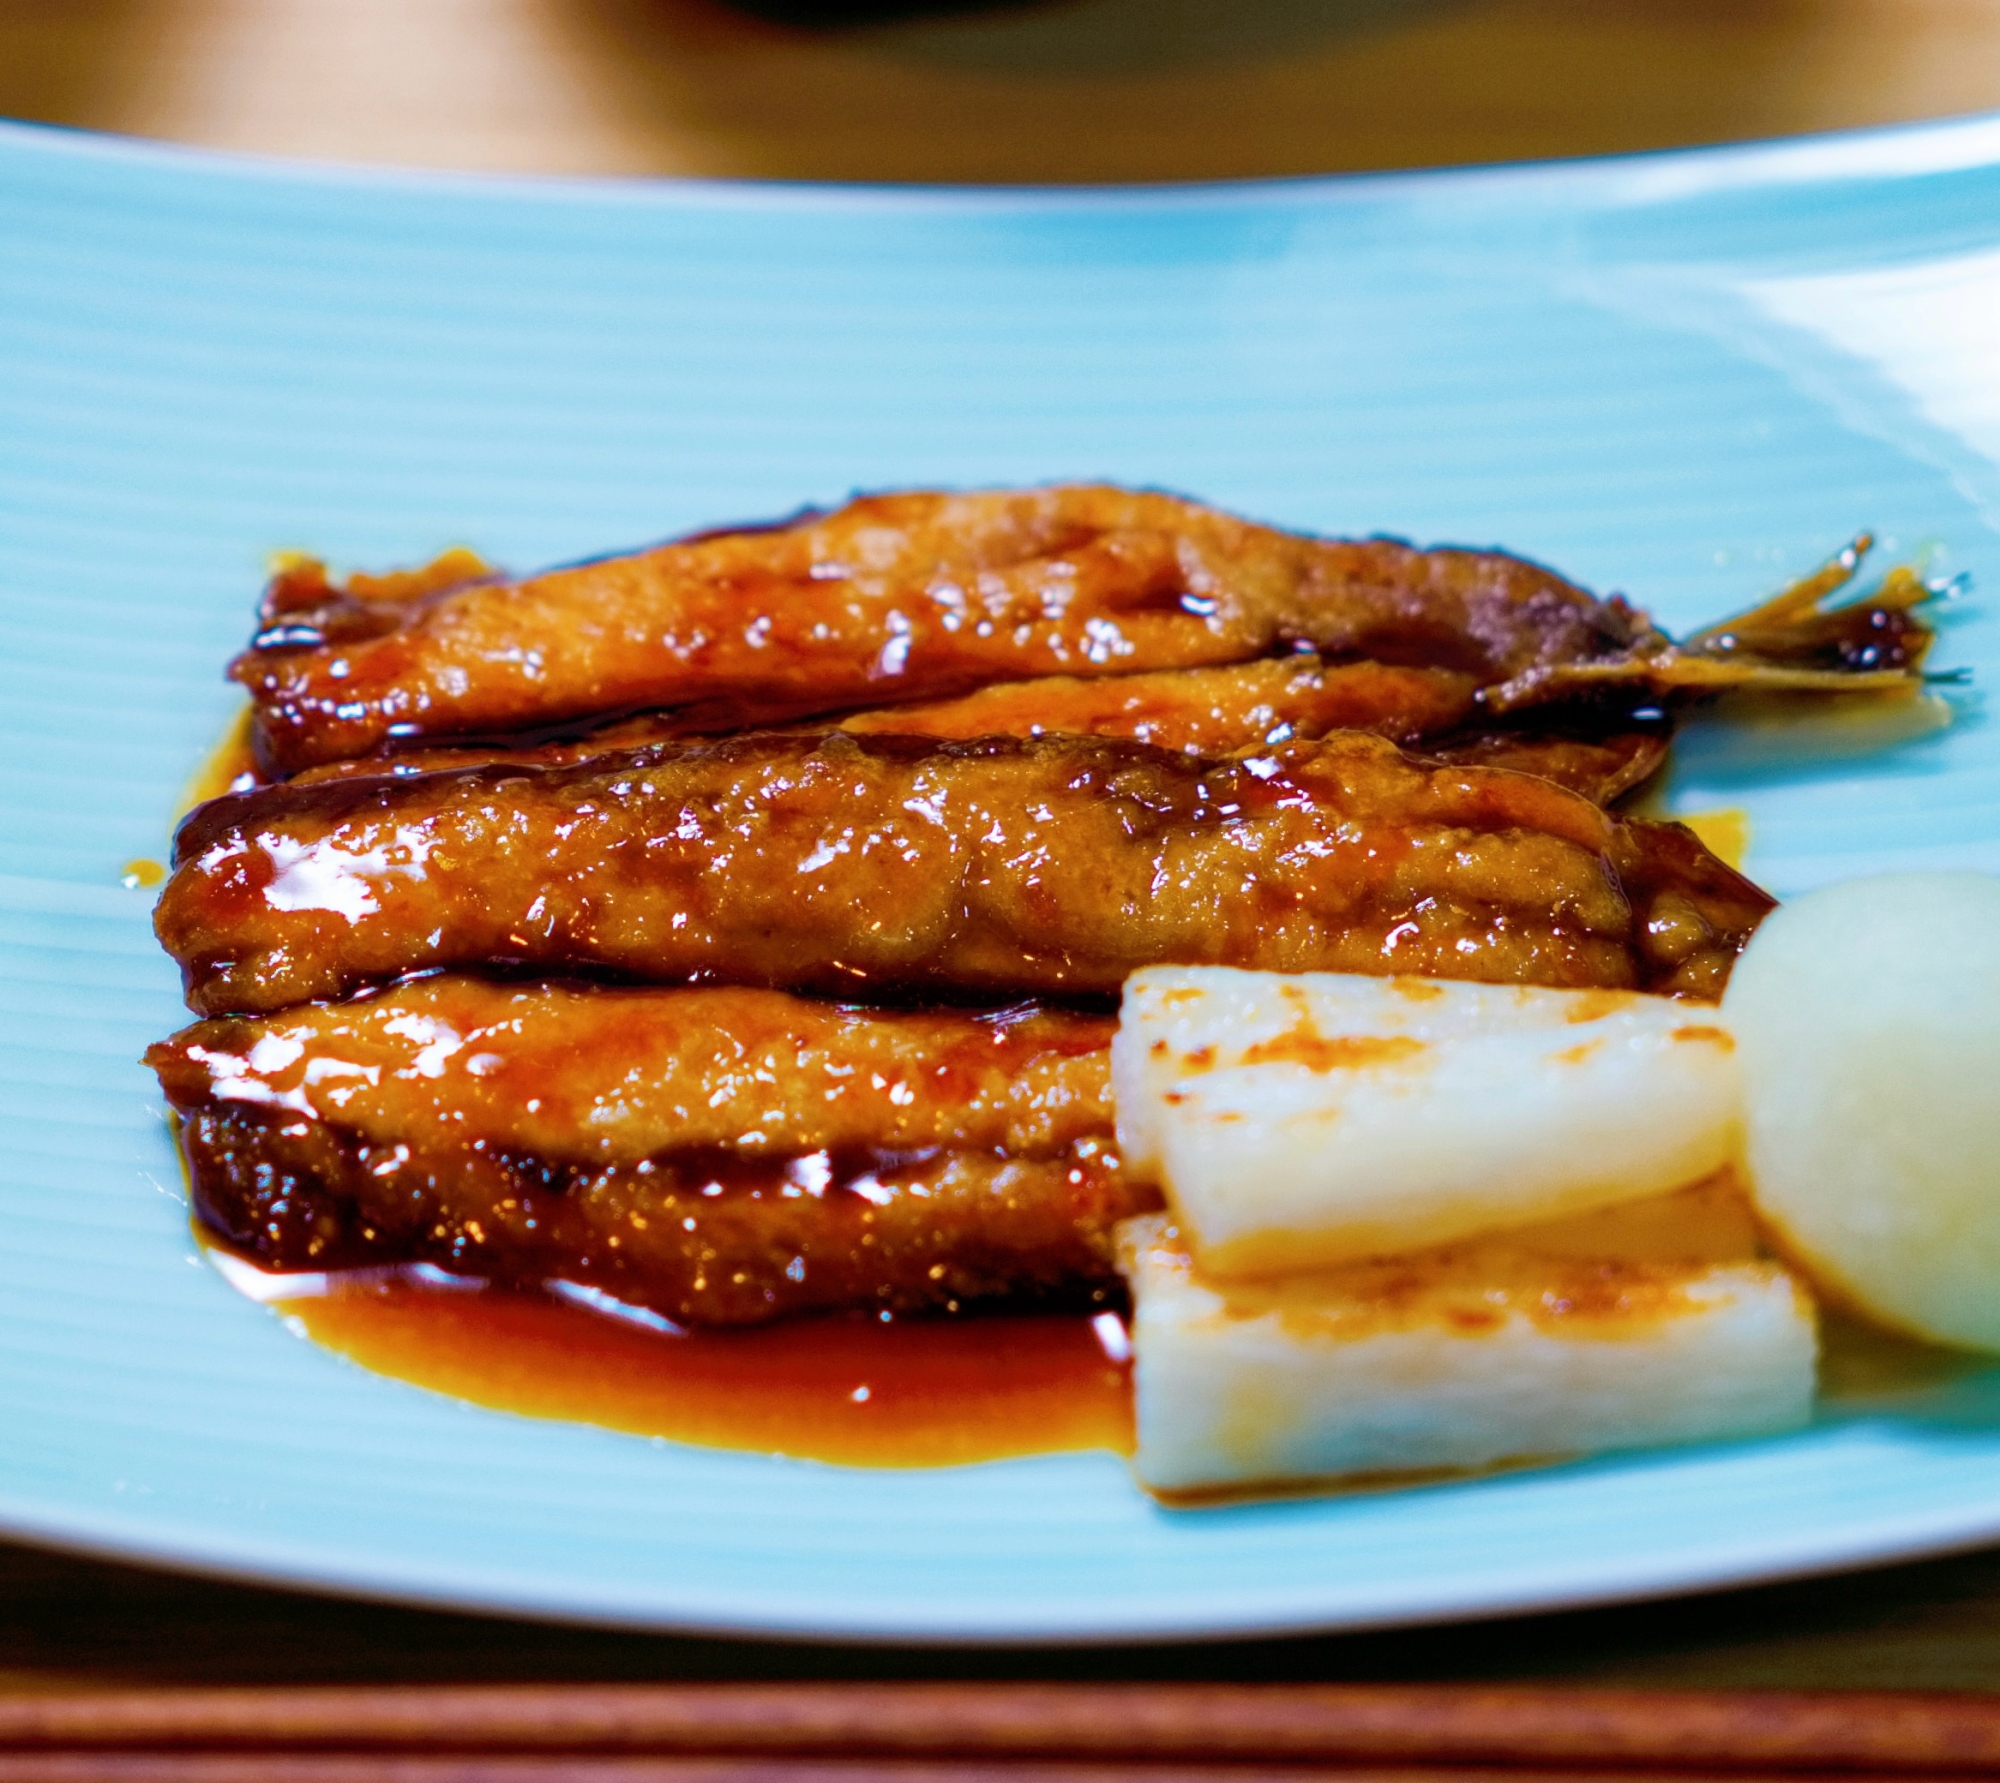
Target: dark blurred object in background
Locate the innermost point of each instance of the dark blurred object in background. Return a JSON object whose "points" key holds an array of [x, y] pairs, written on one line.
{"points": [[837, 15], [1075, 37]]}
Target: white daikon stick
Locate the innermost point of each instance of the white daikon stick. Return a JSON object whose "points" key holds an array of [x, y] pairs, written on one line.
{"points": [[1496, 1351], [1297, 1120]]}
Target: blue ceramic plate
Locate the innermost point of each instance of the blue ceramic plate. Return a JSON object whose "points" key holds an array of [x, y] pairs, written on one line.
{"points": [[1686, 377]]}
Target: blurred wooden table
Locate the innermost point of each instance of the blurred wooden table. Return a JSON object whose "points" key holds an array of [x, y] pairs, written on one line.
{"points": [[69, 1624], [1065, 90], [1079, 90]]}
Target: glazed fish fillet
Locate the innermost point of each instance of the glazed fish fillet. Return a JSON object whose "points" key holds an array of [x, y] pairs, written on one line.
{"points": [[1651, 1323], [1206, 712], [923, 596], [1256, 705], [721, 1156], [994, 868], [892, 597]]}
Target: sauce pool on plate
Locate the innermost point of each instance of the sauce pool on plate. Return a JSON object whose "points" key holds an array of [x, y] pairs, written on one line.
{"points": [[857, 1391]]}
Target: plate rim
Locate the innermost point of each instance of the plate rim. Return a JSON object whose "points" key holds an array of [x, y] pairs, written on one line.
{"points": [[1959, 143], [1902, 150], [451, 1590]]}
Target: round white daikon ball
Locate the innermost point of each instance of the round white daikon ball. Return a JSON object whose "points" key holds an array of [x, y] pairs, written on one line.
{"points": [[1867, 1017]]}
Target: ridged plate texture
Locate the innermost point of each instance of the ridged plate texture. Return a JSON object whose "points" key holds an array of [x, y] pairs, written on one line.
{"points": [[1685, 377]]}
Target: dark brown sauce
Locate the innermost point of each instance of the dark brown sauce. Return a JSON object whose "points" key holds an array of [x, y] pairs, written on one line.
{"points": [[858, 1391]]}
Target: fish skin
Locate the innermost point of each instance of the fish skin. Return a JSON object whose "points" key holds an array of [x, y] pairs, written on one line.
{"points": [[701, 1243], [873, 866], [1209, 712], [591, 1075], [721, 1157], [913, 596]]}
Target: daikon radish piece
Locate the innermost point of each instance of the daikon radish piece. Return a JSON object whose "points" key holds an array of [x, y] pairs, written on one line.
{"points": [[1649, 1323], [1298, 1120], [1867, 1018]]}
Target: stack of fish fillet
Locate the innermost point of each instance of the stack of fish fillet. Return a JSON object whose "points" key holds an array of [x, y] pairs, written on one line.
{"points": [[735, 927]]}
